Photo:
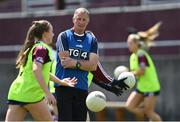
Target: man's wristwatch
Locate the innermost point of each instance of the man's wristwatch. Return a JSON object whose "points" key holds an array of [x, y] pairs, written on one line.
{"points": [[78, 65]]}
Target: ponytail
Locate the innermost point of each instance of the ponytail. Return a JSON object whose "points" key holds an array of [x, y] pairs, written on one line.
{"points": [[35, 31]]}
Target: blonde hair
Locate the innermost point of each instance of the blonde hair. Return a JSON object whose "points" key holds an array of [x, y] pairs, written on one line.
{"points": [[145, 39], [150, 34], [137, 39], [134, 37]]}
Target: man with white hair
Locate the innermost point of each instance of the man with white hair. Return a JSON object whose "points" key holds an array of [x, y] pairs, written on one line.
{"points": [[77, 55]]}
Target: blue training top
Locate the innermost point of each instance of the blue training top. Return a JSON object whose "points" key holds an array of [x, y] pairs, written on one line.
{"points": [[79, 48]]}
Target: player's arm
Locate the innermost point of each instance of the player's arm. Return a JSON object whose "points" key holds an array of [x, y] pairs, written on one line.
{"points": [[143, 63], [139, 72], [37, 69], [101, 78], [64, 82], [39, 58], [116, 90], [99, 75]]}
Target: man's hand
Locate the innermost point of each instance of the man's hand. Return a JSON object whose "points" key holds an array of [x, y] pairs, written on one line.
{"points": [[120, 84], [68, 62]]}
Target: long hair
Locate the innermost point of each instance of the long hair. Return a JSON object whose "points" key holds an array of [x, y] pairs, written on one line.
{"points": [[34, 32], [147, 37]]}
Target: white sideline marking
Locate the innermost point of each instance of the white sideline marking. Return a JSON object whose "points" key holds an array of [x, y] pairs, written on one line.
{"points": [[112, 104]]}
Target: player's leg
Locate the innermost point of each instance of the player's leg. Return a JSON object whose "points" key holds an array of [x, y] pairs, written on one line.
{"points": [[39, 111], [149, 106], [134, 101], [132, 105], [15, 113], [54, 112]]}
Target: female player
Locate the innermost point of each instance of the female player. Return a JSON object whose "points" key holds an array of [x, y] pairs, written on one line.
{"points": [[29, 91], [148, 86]]}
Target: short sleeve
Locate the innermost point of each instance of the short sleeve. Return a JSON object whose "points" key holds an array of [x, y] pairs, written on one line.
{"points": [[62, 43], [94, 48], [143, 62], [40, 54]]}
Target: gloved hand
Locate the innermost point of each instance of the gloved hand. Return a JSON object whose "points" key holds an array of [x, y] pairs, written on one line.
{"points": [[114, 89], [120, 83], [117, 91]]}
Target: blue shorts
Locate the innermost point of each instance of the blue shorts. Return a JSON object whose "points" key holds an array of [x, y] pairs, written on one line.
{"points": [[147, 94], [14, 102]]}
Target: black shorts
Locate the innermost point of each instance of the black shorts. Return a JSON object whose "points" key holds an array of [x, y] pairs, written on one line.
{"points": [[71, 103], [147, 94], [14, 102]]}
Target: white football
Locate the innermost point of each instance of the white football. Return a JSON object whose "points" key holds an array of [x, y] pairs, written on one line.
{"points": [[96, 101], [118, 70], [130, 81]]}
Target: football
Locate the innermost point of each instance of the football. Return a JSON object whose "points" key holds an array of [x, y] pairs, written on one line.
{"points": [[118, 70], [130, 81], [96, 101]]}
